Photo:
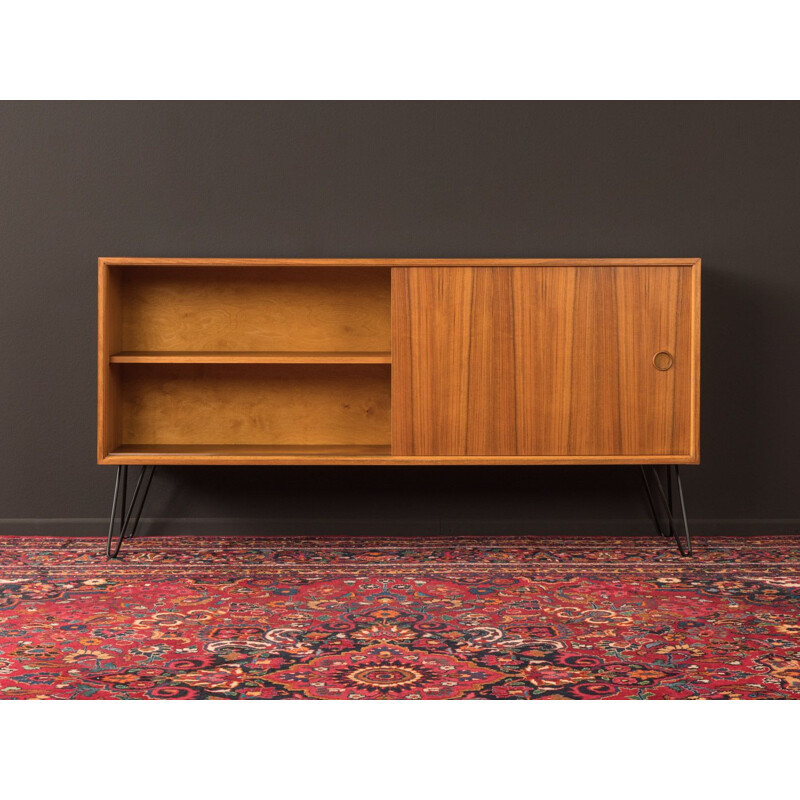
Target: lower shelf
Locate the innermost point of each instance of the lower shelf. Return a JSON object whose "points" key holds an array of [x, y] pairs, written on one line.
{"points": [[251, 409], [266, 450]]}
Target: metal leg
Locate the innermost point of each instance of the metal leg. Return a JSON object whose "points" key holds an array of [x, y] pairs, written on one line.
{"points": [[672, 531], [651, 502], [683, 510], [667, 498], [126, 530]]}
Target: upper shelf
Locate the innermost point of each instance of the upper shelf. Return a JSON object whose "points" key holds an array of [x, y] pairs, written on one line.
{"points": [[248, 357], [259, 310]]}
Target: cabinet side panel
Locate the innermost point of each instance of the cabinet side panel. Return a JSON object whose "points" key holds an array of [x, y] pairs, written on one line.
{"points": [[694, 435], [108, 341]]}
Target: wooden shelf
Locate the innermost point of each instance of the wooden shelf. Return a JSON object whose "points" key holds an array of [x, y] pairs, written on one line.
{"points": [[249, 357], [168, 451], [253, 310]]}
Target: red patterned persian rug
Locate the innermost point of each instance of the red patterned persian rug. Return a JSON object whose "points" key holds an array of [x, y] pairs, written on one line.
{"points": [[388, 618]]}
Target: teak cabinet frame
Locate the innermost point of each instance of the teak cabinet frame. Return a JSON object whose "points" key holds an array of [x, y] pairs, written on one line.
{"points": [[398, 361]]}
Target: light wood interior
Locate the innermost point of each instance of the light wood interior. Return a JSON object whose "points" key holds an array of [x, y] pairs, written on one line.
{"points": [[254, 405], [270, 309]]}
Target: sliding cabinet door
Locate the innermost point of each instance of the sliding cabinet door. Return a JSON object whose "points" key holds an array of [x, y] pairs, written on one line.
{"points": [[453, 361], [568, 362]]}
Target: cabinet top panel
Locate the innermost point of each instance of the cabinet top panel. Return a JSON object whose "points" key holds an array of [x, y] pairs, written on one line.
{"points": [[399, 262]]}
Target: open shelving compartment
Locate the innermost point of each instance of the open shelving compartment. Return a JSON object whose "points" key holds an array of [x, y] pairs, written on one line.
{"points": [[251, 361]]}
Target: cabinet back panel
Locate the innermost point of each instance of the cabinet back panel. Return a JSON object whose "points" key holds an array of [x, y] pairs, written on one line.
{"points": [[255, 308], [254, 404]]}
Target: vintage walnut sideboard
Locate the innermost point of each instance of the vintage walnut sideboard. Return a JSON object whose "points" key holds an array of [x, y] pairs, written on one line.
{"points": [[399, 361]]}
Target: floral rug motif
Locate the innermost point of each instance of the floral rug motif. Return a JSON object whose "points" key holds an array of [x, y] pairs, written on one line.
{"points": [[400, 618]]}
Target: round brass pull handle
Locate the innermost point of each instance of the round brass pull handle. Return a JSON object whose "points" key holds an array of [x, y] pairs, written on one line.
{"points": [[663, 360]]}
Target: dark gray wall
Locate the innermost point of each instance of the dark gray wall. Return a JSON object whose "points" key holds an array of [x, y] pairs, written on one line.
{"points": [[715, 180]]}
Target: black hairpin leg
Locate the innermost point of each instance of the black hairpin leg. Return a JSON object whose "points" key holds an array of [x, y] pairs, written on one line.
{"points": [[126, 526], [651, 502], [667, 498]]}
